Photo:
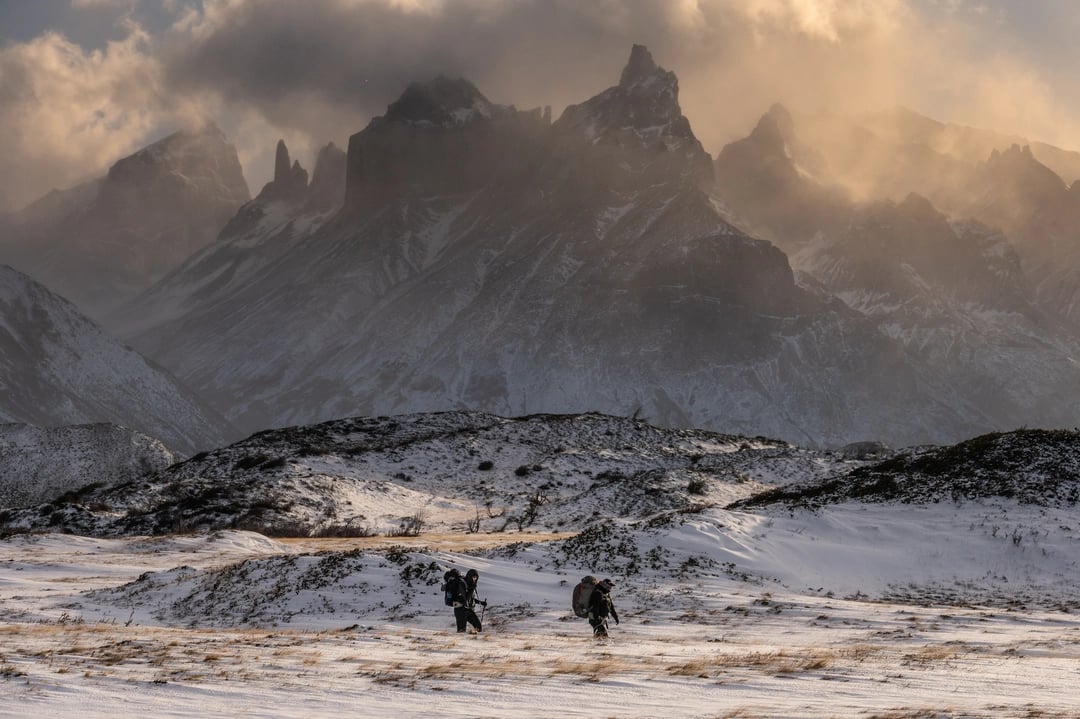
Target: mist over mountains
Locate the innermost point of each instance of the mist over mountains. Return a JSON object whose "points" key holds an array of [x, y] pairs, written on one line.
{"points": [[106, 240], [468, 255]]}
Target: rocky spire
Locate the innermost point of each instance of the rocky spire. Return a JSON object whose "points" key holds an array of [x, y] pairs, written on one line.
{"points": [[290, 180], [639, 67], [281, 163], [641, 113]]}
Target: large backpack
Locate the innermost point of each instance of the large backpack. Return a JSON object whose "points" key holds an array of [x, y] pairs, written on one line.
{"points": [[449, 587], [582, 594]]}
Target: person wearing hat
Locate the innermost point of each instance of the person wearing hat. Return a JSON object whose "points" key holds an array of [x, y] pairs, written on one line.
{"points": [[600, 607], [464, 598], [471, 598]]}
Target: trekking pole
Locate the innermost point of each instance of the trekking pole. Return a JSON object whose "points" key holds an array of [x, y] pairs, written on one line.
{"points": [[483, 611]]}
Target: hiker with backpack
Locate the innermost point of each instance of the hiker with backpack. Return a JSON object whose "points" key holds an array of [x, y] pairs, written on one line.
{"points": [[600, 607], [592, 600], [457, 594]]}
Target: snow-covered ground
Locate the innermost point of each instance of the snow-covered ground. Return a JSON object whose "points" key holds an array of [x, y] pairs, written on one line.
{"points": [[941, 610]]}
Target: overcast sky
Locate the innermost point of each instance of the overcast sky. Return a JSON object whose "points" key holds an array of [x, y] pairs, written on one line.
{"points": [[85, 82]]}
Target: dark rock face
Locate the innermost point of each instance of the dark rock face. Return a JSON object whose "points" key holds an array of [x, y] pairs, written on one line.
{"points": [[151, 211], [440, 138], [327, 188]]}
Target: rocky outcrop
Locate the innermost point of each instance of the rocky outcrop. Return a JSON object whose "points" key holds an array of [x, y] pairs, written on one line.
{"points": [[642, 112]]}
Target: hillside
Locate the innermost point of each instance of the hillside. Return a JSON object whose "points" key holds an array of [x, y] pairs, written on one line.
{"points": [[1036, 467], [434, 472], [38, 464]]}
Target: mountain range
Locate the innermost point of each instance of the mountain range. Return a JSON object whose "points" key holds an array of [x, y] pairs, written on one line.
{"points": [[489, 258], [466, 255]]}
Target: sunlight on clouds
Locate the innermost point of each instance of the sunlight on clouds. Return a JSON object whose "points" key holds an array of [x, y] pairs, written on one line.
{"points": [[69, 113], [277, 69], [826, 19]]}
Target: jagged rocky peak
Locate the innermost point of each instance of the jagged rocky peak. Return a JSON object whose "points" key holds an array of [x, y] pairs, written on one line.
{"points": [[783, 120], [640, 67], [916, 205], [281, 161], [442, 102], [646, 100], [290, 180], [642, 112]]}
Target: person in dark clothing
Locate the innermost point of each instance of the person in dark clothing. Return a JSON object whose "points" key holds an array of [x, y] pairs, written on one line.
{"points": [[471, 578], [464, 599], [600, 607]]}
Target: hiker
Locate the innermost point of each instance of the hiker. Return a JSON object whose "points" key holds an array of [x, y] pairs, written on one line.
{"points": [[458, 596], [471, 599], [600, 606]]}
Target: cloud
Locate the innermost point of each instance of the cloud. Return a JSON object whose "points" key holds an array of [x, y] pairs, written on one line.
{"points": [[321, 76], [266, 69], [67, 113]]}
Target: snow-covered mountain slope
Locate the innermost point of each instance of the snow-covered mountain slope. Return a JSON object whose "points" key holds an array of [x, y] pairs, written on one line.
{"points": [[38, 463], [104, 242], [57, 368], [452, 470], [489, 259]]}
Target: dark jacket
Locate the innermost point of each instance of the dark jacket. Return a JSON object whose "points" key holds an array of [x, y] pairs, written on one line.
{"points": [[600, 604], [470, 591]]}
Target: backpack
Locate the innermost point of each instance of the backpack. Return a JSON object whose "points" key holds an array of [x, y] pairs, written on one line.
{"points": [[449, 587], [582, 593]]}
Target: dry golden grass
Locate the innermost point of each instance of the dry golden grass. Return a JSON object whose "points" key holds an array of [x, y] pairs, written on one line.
{"points": [[932, 654]]}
